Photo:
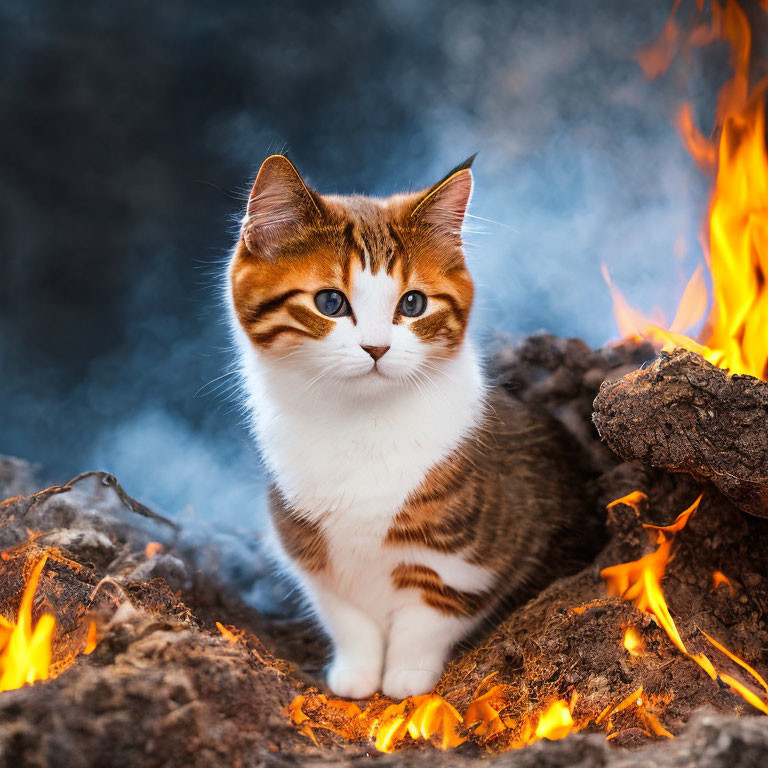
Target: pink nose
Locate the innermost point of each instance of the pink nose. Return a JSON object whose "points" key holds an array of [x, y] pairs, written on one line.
{"points": [[375, 352]]}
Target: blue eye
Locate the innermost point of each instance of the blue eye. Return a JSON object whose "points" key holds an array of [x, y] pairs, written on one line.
{"points": [[413, 304], [332, 303]]}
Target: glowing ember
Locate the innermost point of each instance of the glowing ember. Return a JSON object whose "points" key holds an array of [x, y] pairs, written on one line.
{"points": [[153, 548], [230, 634], [736, 240], [92, 639], [632, 642], [555, 722], [25, 653], [718, 578], [635, 703], [640, 582]]}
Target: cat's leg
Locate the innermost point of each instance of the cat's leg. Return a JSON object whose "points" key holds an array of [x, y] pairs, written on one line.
{"points": [[358, 645], [420, 641]]}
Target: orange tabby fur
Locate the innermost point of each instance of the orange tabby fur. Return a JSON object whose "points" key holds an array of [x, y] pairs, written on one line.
{"points": [[408, 499]]}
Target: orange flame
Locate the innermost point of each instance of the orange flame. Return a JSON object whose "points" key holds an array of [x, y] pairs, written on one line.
{"points": [[231, 635], [428, 717], [640, 582], [555, 722], [736, 243], [702, 150], [431, 718], [153, 548], [25, 652], [91, 640], [633, 643], [718, 578], [635, 701]]}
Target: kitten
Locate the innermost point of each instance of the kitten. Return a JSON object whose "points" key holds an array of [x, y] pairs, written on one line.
{"points": [[408, 499]]}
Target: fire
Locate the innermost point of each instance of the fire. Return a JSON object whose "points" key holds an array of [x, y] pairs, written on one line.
{"points": [[232, 636], [736, 231], [432, 718], [718, 578], [153, 548], [633, 643], [555, 722], [25, 652], [640, 582], [92, 639], [636, 703], [428, 717]]}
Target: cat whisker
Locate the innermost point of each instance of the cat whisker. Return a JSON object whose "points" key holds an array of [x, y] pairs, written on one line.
{"points": [[213, 381], [492, 221]]}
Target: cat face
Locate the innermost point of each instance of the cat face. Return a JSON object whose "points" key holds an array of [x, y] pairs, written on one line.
{"points": [[353, 291]]}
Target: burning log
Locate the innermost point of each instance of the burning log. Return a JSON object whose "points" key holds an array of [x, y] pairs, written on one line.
{"points": [[683, 414]]}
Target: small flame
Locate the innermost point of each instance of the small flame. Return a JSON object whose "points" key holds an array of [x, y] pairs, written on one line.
{"points": [[634, 500], [91, 640], [640, 581], [718, 578], [428, 717], [733, 657], [152, 549], [555, 722], [25, 652], [632, 642], [701, 148], [638, 706], [736, 242], [231, 635]]}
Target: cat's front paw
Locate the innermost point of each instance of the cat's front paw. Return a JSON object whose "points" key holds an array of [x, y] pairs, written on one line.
{"points": [[401, 683], [351, 682]]}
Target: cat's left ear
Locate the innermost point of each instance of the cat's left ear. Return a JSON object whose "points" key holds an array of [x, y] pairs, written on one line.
{"points": [[280, 206], [444, 205]]}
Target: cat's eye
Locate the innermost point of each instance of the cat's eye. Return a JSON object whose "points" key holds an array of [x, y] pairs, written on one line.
{"points": [[332, 303], [413, 304]]}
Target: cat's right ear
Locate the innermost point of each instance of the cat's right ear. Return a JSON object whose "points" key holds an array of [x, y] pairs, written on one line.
{"points": [[279, 206]]}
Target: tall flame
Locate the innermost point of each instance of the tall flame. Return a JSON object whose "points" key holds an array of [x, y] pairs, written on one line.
{"points": [[25, 652], [736, 232], [640, 582]]}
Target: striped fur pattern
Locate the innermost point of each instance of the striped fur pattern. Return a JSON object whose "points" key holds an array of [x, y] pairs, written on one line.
{"points": [[408, 500]]}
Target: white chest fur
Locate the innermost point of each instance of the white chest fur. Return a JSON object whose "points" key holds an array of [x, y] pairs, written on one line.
{"points": [[332, 456], [349, 464]]}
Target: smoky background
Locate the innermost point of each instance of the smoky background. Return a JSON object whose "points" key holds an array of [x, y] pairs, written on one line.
{"points": [[130, 133]]}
